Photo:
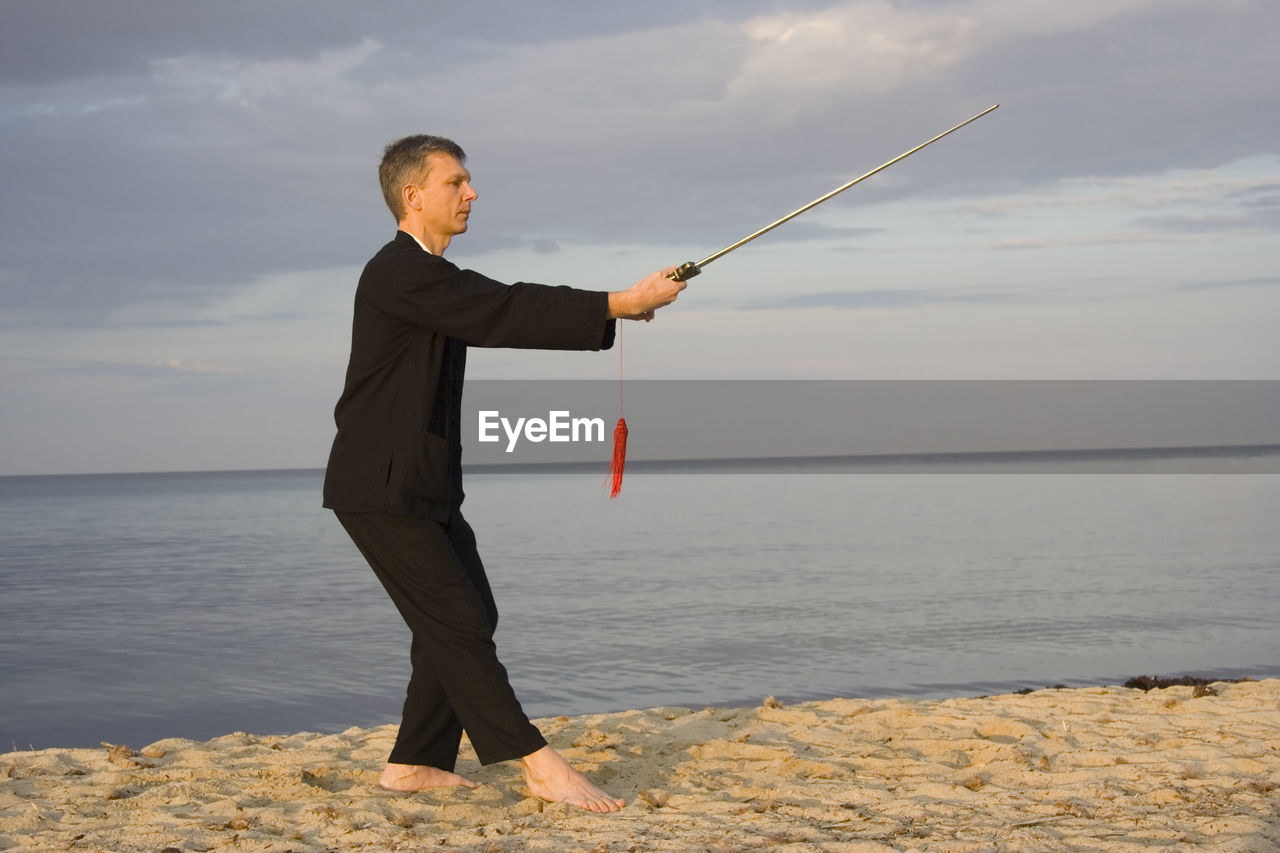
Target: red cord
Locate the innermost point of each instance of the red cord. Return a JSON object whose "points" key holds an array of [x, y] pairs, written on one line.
{"points": [[619, 461]]}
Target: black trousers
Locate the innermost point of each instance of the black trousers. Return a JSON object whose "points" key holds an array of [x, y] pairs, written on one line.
{"points": [[434, 575]]}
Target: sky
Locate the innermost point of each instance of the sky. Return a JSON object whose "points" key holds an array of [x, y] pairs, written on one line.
{"points": [[190, 192]]}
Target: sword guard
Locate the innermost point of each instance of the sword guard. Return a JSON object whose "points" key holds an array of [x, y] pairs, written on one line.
{"points": [[685, 271]]}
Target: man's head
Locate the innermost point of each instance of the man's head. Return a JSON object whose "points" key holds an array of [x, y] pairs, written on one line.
{"points": [[427, 188], [407, 161]]}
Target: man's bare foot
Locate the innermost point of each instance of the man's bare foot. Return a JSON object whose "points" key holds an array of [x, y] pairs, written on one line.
{"points": [[416, 777], [551, 778]]}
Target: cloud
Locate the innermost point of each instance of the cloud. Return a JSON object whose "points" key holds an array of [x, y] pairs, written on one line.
{"points": [[181, 366], [1222, 284], [905, 298], [1251, 182], [544, 246], [865, 48], [164, 369], [191, 184], [1237, 201], [881, 47], [49, 41], [230, 141], [1112, 238]]}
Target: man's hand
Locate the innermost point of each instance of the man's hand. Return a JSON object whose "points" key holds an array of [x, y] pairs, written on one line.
{"points": [[642, 299]]}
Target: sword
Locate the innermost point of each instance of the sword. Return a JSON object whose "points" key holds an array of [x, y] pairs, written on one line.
{"points": [[689, 269]]}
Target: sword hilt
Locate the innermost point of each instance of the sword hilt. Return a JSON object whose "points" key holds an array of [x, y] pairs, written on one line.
{"points": [[685, 271]]}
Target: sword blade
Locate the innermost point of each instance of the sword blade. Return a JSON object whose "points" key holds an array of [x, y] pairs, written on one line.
{"points": [[685, 271]]}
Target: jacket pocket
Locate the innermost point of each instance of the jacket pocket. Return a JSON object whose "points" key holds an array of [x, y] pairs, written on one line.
{"points": [[420, 474]]}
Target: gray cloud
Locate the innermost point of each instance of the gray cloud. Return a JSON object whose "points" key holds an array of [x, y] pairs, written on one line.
{"points": [[49, 41], [191, 183], [904, 298], [544, 246], [1230, 283], [137, 371], [172, 150], [1208, 223]]}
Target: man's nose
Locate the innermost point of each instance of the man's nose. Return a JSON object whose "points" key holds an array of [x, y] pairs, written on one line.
{"points": [[471, 194]]}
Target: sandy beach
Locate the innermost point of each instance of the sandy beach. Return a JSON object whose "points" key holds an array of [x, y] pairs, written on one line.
{"points": [[1108, 768]]}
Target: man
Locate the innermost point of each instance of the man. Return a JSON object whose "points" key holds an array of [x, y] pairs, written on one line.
{"points": [[395, 472]]}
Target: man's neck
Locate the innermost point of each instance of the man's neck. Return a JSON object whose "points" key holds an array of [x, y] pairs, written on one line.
{"points": [[433, 243]]}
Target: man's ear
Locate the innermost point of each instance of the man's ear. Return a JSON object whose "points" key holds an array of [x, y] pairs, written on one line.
{"points": [[411, 196]]}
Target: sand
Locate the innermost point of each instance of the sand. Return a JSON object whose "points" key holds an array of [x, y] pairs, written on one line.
{"points": [[1081, 769]]}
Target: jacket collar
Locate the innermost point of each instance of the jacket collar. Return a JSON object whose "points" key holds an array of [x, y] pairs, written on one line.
{"points": [[403, 236]]}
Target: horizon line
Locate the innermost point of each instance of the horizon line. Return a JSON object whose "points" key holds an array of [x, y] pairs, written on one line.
{"points": [[943, 456]]}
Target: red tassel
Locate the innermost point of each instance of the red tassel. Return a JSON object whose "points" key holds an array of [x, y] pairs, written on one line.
{"points": [[619, 456]]}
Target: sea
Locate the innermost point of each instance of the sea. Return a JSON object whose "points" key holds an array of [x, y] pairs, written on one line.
{"points": [[137, 607]]}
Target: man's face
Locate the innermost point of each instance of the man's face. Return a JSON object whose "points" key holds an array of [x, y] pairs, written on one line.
{"points": [[446, 196]]}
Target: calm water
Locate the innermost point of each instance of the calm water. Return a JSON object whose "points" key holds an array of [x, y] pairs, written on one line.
{"points": [[137, 607]]}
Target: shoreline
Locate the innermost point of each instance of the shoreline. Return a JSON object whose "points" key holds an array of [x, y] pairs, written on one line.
{"points": [[1104, 768], [273, 725]]}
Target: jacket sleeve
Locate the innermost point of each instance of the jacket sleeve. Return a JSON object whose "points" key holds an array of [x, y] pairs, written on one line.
{"points": [[430, 292]]}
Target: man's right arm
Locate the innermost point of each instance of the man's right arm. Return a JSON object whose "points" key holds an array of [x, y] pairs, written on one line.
{"points": [[427, 290]]}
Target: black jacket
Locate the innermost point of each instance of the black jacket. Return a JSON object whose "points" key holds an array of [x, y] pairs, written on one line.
{"points": [[398, 447]]}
